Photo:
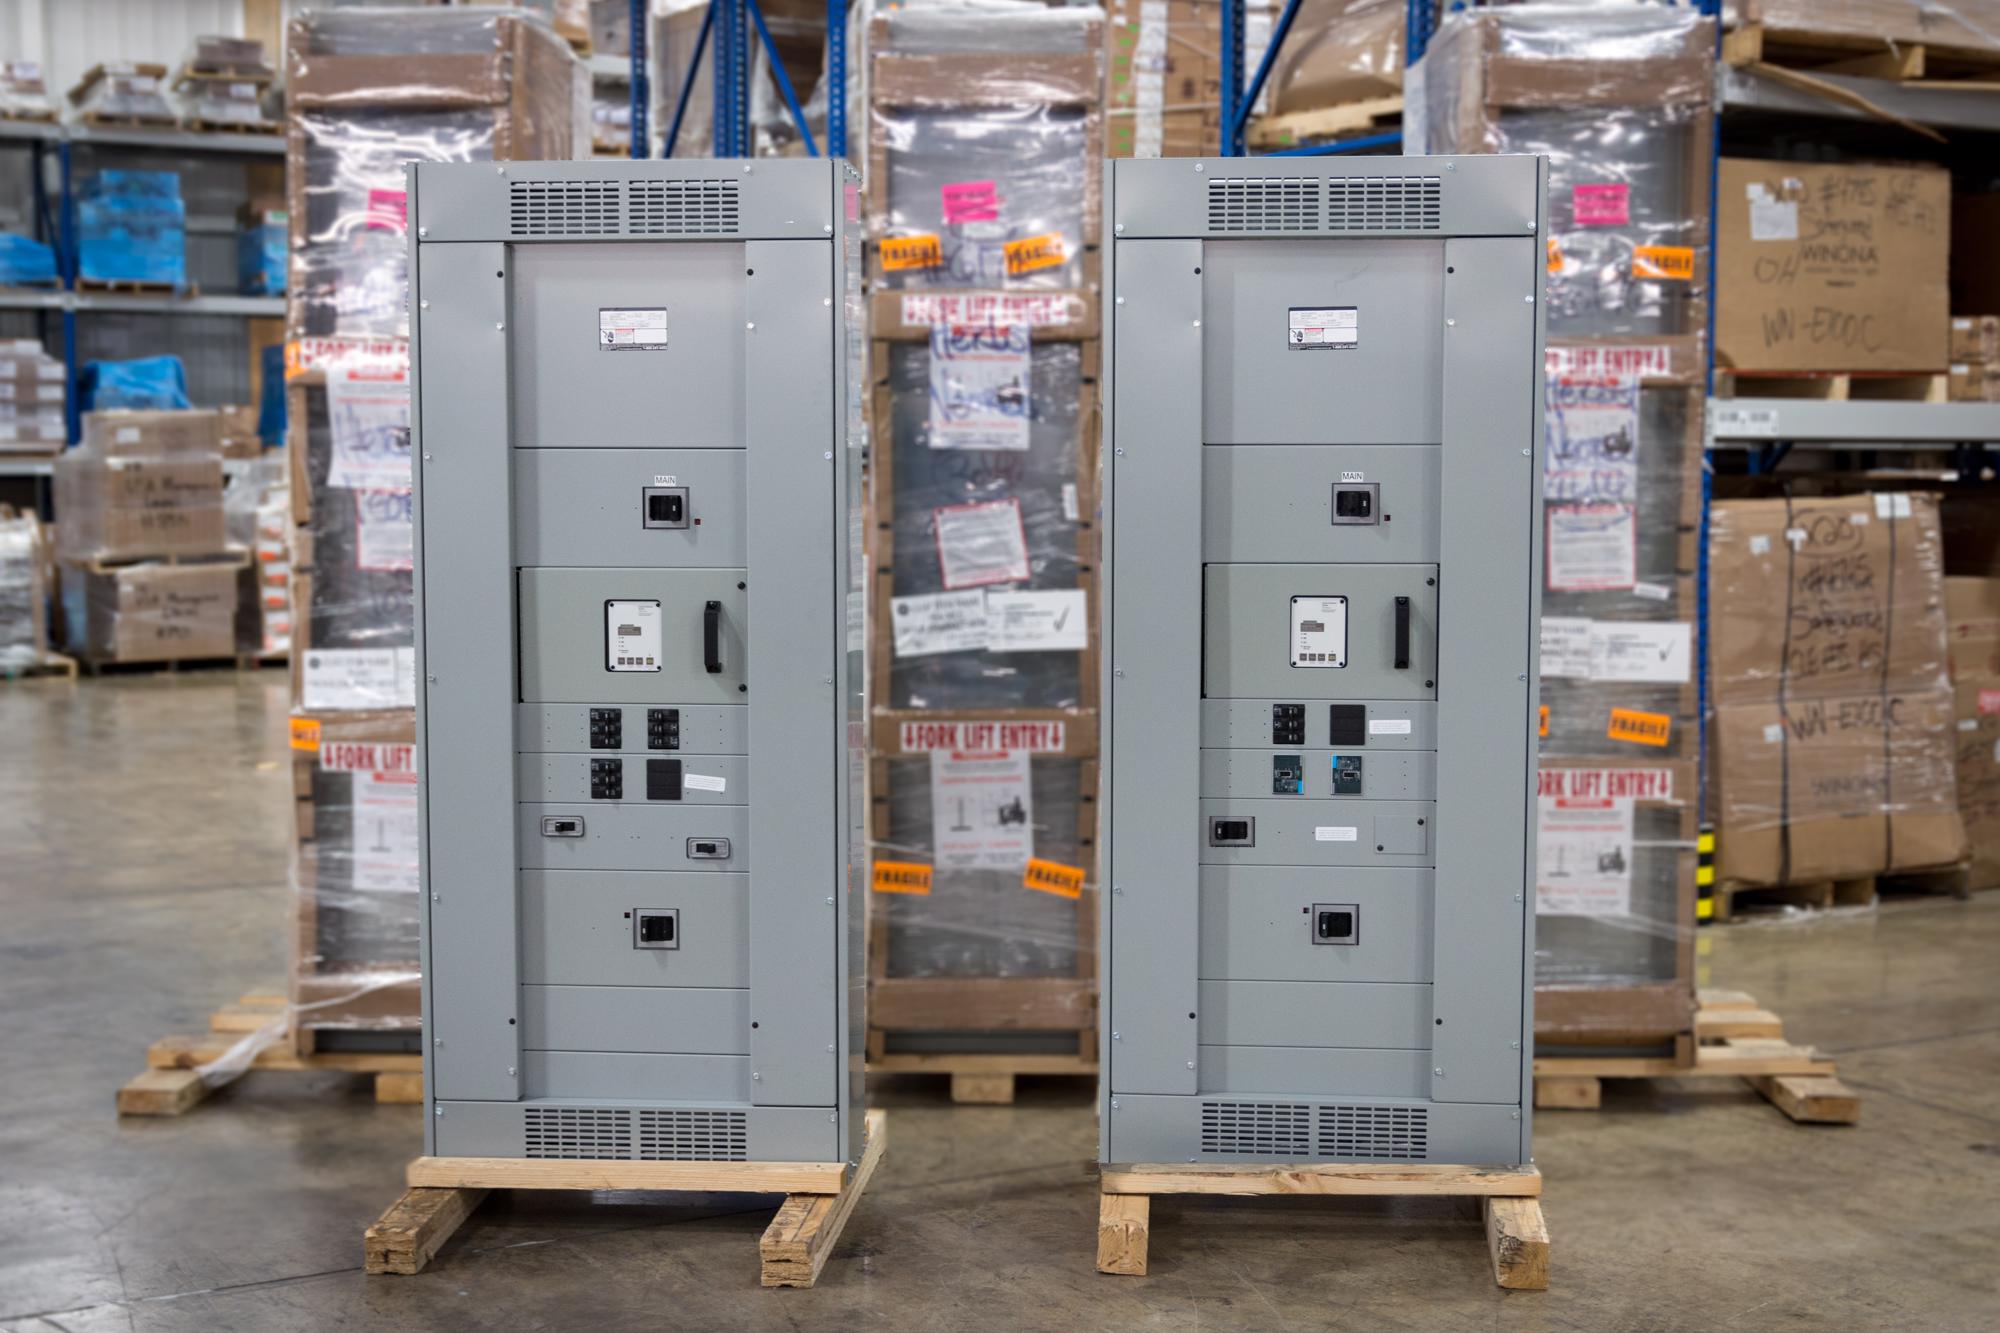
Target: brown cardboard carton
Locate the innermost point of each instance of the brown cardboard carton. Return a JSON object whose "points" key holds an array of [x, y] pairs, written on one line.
{"points": [[1825, 268], [1833, 753], [1975, 260], [151, 613], [137, 508], [1972, 617], [1975, 337], [1875, 25], [1977, 736], [1972, 382], [129, 433]]}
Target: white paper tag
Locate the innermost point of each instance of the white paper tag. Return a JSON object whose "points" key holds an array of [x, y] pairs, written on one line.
{"points": [[1760, 545], [126, 435], [384, 535], [1310, 327], [979, 380], [628, 329], [1968, 724], [1590, 434], [982, 810], [939, 622], [981, 543], [1773, 733], [368, 414], [1565, 644], [1069, 502], [384, 853], [344, 679], [1026, 622], [1388, 726], [1641, 652], [1583, 857], [1653, 592], [1741, 422], [1335, 833], [1774, 219], [1592, 548], [704, 782]]}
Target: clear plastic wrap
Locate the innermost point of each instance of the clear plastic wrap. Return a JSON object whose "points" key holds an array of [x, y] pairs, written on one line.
{"points": [[24, 94], [256, 514], [146, 383], [1163, 78], [611, 117], [25, 262], [123, 91], [31, 397], [985, 140], [1973, 608], [1963, 23], [24, 628], [225, 104], [1338, 51], [150, 612], [1617, 96], [124, 504], [1832, 738], [131, 228], [262, 242]]}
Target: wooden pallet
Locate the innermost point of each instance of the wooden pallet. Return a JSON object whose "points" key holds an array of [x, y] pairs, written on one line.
{"points": [[1734, 902], [1736, 1039], [51, 663], [1835, 386], [1517, 1237], [1945, 64], [30, 117], [1298, 127], [164, 291], [173, 1083], [201, 126], [97, 120], [979, 1079], [819, 1198]]}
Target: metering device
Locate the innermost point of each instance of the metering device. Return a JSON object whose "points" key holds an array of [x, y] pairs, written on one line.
{"points": [[638, 489], [1322, 530]]}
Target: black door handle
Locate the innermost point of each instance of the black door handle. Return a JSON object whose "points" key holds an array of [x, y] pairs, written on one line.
{"points": [[1402, 634], [711, 637]]}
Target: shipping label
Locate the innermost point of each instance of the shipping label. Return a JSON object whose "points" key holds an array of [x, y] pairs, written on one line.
{"points": [[982, 810], [1592, 548], [979, 387], [1583, 857], [981, 543]]}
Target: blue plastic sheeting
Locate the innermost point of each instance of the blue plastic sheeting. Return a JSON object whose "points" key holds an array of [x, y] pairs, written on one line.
{"points": [[155, 382], [25, 262], [271, 411], [260, 257], [132, 227]]}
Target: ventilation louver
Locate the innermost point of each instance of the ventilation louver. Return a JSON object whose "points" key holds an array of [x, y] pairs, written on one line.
{"points": [[679, 1135], [554, 209], [564, 208], [1264, 203], [1257, 1129], [1299, 1129], [1384, 203], [577, 1132], [645, 1134], [1338, 203], [680, 207], [1374, 1133]]}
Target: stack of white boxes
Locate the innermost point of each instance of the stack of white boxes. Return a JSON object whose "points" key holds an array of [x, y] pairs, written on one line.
{"points": [[31, 398]]}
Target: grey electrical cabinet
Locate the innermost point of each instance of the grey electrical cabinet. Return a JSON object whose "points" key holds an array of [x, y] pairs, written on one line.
{"points": [[1322, 532], [638, 488]]}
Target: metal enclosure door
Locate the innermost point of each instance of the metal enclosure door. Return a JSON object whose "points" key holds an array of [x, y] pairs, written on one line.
{"points": [[1322, 532], [634, 484]]}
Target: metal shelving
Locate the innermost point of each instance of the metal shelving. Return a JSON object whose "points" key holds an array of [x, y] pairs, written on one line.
{"points": [[1933, 104], [12, 466], [1807, 423], [137, 303]]}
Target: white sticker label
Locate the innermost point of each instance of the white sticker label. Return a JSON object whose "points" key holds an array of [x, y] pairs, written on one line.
{"points": [[344, 679], [384, 535], [704, 782], [1741, 422], [642, 329], [1968, 724], [1892, 505], [1565, 648], [1641, 652], [982, 810], [1030, 622], [385, 833], [1774, 219], [1071, 511], [665, 480], [1760, 545], [939, 622], [979, 377], [368, 415], [1324, 326], [1773, 733], [1583, 857], [1335, 833], [981, 543], [1319, 631], [632, 636], [1388, 726], [1653, 592], [1592, 548], [1352, 477]]}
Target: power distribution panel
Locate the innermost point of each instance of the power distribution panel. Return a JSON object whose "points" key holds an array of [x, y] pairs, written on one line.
{"points": [[639, 512], [1322, 545]]}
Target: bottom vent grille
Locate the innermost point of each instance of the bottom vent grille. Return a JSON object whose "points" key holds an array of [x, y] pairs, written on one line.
{"points": [[586, 1132], [1256, 1129], [1375, 1133], [1302, 1129], [645, 1134], [694, 1136]]}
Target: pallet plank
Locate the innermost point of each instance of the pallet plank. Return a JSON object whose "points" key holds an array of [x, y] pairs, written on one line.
{"points": [[1124, 1222], [1738, 1023], [397, 1088], [584, 1174], [186, 1052], [795, 1247], [1811, 1099], [415, 1227], [1342, 1178], [983, 1089], [162, 1092], [1517, 1238], [956, 1062], [1569, 1094]]}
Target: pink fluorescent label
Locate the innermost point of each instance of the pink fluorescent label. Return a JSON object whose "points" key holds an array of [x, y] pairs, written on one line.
{"points": [[971, 201], [388, 210], [1601, 205]]}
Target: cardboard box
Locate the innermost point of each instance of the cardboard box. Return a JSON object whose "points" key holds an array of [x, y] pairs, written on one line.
{"points": [[1827, 268], [127, 432], [1876, 25], [137, 508], [1339, 51], [1977, 735], [1972, 382], [1972, 619], [1975, 260], [150, 612], [1831, 741], [1975, 337]]}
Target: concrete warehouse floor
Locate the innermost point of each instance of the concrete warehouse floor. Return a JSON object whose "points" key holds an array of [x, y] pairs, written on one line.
{"points": [[143, 882]]}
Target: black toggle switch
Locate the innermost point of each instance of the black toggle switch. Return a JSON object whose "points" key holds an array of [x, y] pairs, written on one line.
{"points": [[656, 929], [1335, 925]]}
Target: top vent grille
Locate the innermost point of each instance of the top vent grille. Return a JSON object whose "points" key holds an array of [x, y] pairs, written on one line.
{"points": [[1339, 203], [1264, 203], [1384, 203], [552, 209], [564, 208], [665, 207]]}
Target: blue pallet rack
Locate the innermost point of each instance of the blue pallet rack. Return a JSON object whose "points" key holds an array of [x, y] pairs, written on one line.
{"points": [[727, 26]]}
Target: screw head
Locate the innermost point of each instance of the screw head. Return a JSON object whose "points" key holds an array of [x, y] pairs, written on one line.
{"points": [[751, 325], [438, 1111], [1439, 1071], [1451, 323], [756, 1077], [423, 305], [1529, 299], [827, 455], [1197, 323], [510, 1071], [1190, 1065], [423, 231], [1198, 166], [502, 325], [1117, 227], [1119, 301], [499, 171]]}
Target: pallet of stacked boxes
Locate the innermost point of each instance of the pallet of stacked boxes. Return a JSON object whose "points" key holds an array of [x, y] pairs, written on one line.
{"points": [[31, 399], [984, 144], [24, 598], [147, 571], [1617, 98], [1832, 749], [1162, 78], [366, 91], [1972, 609]]}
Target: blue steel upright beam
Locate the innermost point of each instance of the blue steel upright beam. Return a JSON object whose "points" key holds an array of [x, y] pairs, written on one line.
{"points": [[641, 92], [836, 78], [1240, 116], [1232, 71], [1713, 10], [783, 79], [687, 83], [66, 267]]}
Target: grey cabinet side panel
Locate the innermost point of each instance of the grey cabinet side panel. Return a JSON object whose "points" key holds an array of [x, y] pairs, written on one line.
{"points": [[1487, 518], [466, 568], [795, 631], [1154, 647]]}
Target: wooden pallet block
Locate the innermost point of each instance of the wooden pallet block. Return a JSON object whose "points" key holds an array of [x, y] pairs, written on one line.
{"points": [[820, 1196], [979, 1078], [1517, 1236]]}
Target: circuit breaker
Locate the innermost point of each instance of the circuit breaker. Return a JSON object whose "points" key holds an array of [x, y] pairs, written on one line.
{"points": [[1322, 541], [638, 483]]}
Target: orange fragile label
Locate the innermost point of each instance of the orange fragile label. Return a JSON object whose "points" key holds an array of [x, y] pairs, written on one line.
{"points": [[1555, 256], [1033, 252], [1545, 721], [305, 733], [1053, 877], [902, 877], [903, 252], [1639, 728], [1674, 263]]}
